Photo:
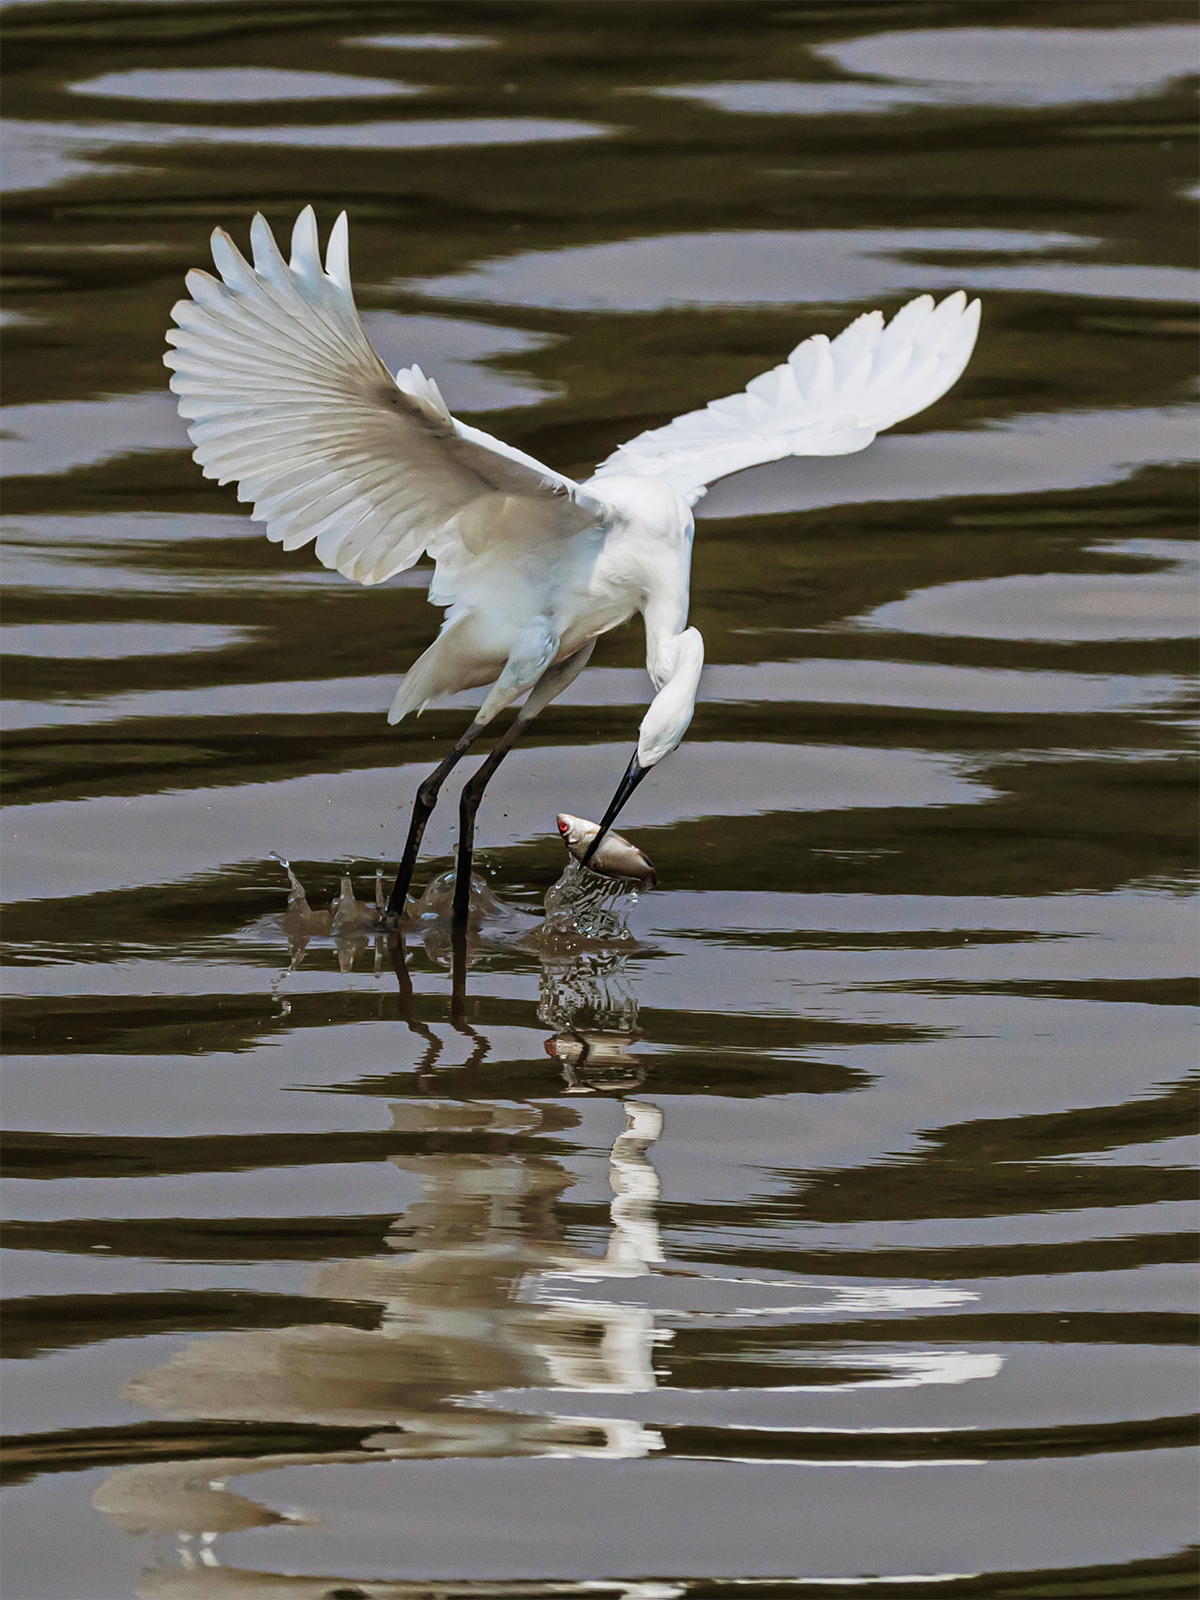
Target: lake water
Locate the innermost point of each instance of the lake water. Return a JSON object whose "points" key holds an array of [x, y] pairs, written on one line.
{"points": [[835, 1228]]}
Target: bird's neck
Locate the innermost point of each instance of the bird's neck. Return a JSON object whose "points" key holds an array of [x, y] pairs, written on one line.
{"points": [[660, 565], [665, 610], [646, 562]]}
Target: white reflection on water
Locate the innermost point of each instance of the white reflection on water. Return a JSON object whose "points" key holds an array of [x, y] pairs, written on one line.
{"points": [[943, 1388], [1057, 606], [484, 1345], [1024, 66], [38, 154], [1019, 67], [692, 1297], [1030, 454], [785, 267], [423, 41], [115, 641], [912, 1368], [237, 85], [450, 1324], [816, 681]]}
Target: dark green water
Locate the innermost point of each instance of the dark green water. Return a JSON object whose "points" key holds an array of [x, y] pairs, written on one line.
{"points": [[838, 1232]]}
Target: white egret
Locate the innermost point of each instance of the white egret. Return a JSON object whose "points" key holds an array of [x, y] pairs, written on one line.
{"points": [[287, 398]]}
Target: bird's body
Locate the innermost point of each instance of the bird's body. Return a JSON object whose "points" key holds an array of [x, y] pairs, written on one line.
{"points": [[529, 584], [286, 397]]}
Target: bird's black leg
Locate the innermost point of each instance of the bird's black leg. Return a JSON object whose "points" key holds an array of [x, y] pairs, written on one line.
{"points": [[422, 808], [458, 978], [468, 805], [552, 682]]}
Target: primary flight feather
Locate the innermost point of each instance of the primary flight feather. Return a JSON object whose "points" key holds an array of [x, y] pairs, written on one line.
{"points": [[286, 397]]}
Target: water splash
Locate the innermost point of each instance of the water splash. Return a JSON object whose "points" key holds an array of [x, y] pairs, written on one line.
{"points": [[584, 943], [585, 905]]}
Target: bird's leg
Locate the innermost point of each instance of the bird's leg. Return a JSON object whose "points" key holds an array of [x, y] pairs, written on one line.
{"points": [[398, 952], [468, 805], [423, 806], [552, 682], [458, 978]]}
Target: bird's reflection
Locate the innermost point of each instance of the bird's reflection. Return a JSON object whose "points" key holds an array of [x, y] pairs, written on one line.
{"points": [[462, 1310], [459, 1308], [582, 945], [584, 914]]}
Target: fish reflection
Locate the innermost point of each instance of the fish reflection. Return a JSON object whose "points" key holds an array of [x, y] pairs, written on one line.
{"points": [[596, 1061], [459, 1314]]}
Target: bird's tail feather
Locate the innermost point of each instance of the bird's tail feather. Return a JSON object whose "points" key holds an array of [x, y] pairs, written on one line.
{"points": [[443, 669]]}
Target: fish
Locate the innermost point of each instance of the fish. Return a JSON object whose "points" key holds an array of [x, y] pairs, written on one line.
{"points": [[616, 857]]}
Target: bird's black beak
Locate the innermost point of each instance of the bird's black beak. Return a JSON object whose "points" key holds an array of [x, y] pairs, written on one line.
{"points": [[634, 773]]}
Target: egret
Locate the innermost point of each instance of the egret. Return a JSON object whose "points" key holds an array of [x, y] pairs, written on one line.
{"points": [[286, 397]]}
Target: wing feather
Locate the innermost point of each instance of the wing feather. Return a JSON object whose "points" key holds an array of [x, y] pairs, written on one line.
{"points": [[287, 398], [829, 398]]}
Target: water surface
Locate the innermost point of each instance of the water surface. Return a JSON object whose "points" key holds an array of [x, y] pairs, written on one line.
{"points": [[833, 1228]]}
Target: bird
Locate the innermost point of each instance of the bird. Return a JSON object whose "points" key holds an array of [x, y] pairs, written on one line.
{"points": [[285, 396]]}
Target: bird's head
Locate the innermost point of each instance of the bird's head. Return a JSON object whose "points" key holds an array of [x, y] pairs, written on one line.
{"points": [[663, 726]]}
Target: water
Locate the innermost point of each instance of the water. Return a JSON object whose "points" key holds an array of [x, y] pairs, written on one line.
{"points": [[834, 1225]]}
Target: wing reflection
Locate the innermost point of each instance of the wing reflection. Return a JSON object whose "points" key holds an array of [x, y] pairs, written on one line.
{"points": [[458, 1315]]}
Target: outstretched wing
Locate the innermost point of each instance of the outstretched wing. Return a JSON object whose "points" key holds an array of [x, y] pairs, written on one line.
{"points": [[827, 399], [287, 397]]}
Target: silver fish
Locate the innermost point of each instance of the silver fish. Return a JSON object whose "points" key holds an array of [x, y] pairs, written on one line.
{"points": [[616, 857]]}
